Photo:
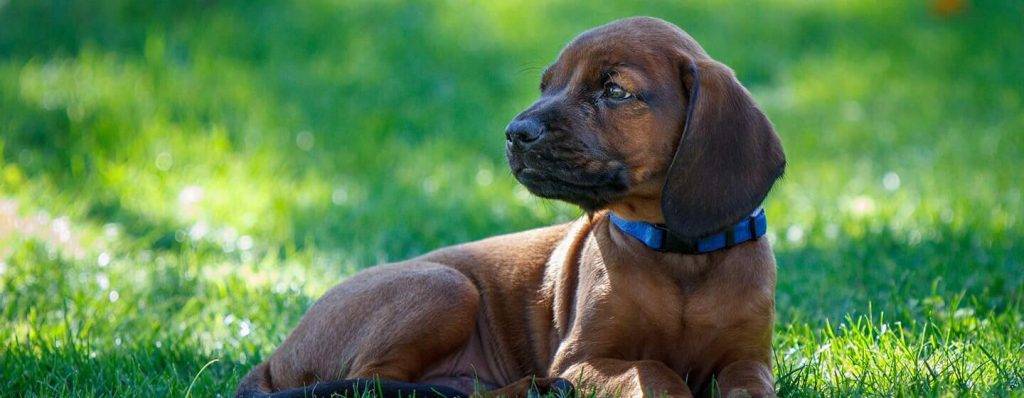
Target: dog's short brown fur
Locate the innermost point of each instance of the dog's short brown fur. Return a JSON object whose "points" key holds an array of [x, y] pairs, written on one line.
{"points": [[686, 146]]}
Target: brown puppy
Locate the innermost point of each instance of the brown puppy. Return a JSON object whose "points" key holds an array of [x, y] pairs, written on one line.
{"points": [[634, 118]]}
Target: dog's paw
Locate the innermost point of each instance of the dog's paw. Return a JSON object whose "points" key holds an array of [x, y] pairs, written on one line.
{"points": [[555, 387]]}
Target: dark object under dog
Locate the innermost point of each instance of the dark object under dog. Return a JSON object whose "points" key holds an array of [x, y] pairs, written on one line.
{"points": [[358, 388]]}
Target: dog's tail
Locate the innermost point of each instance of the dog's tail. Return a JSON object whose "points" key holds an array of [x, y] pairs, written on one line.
{"points": [[257, 384]]}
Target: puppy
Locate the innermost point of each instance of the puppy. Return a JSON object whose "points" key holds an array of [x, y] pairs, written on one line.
{"points": [[661, 287]]}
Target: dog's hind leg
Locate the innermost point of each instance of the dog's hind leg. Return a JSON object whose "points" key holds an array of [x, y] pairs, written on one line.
{"points": [[255, 382], [389, 322]]}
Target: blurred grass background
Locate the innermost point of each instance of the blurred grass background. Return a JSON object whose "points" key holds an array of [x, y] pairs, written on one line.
{"points": [[180, 180]]}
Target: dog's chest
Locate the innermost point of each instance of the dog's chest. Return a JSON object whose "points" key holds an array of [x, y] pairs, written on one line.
{"points": [[613, 303], [641, 316]]}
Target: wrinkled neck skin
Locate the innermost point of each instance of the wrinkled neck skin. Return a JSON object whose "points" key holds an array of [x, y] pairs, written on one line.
{"points": [[643, 205], [625, 258], [626, 251]]}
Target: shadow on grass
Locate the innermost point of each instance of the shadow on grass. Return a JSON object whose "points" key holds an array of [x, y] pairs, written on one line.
{"points": [[896, 274]]}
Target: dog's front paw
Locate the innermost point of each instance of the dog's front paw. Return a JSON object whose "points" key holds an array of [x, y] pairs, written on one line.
{"points": [[557, 387], [534, 387]]}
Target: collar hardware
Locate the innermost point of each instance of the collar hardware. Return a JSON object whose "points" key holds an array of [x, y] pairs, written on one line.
{"points": [[659, 238]]}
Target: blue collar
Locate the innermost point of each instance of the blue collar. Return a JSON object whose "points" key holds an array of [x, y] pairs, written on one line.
{"points": [[658, 237]]}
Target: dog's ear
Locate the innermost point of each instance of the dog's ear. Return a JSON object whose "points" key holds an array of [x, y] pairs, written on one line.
{"points": [[728, 156]]}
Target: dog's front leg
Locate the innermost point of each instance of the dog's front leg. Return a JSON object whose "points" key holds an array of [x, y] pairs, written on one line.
{"points": [[746, 378], [618, 378]]}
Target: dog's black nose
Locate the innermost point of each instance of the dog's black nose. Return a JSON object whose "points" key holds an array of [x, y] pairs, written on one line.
{"points": [[523, 133]]}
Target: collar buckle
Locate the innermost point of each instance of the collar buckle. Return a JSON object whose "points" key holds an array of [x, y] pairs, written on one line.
{"points": [[674, 244]]}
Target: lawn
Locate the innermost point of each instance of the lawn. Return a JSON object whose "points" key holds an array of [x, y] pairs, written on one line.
{"points": [[179, 181]]}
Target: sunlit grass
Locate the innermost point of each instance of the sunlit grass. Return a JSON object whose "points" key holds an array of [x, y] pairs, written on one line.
{"points": [[180, 181]]}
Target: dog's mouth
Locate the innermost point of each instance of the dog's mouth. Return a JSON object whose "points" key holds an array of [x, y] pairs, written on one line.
{"points": [[591, 187]]}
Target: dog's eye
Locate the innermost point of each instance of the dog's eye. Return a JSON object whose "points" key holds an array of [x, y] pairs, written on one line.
{"points": [[616, 92]]}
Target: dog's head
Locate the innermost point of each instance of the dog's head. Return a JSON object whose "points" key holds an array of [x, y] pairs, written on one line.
{"points": [[634, 113]]}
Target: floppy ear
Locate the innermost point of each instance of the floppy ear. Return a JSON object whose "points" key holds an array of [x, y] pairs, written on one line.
{"points": [[728, 156]]}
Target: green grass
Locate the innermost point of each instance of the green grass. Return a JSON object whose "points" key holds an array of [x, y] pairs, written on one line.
{"points": [[179, 181]]}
